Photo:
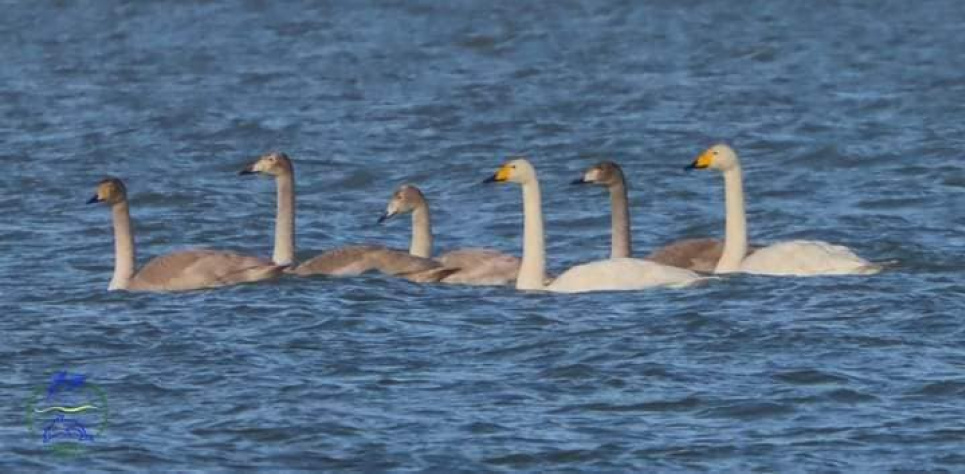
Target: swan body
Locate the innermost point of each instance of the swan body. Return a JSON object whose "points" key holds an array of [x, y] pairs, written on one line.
{"points": [[178, 271], [700, 254], [606, 275], [807, 257], [346, 261], [792, 258], [621, 274], [359, 259], [475, 266], [202, 268]]}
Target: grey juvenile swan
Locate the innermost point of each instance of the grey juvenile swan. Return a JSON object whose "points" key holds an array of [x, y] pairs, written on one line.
{"points": [[345, 261], [476, 266], [179, 271], [699, 255]]}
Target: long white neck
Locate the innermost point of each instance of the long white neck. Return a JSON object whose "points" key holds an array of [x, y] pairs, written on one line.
{"points": [[735, 239], [532, 270], [421, 245], [620, 246], [284, 253], [123, 247]]}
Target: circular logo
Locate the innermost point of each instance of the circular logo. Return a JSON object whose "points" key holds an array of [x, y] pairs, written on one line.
{"points": [[68, 414]]}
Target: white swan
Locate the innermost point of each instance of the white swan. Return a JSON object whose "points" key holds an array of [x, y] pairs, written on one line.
{"points": [[476, 266], [604, 275], [796, 257], [179, 271], [345, 261], [699, 255]]}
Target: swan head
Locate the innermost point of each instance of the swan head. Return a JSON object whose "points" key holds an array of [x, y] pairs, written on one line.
{"points": [[604, 173], [110, 190], [516, 171], [274, 164], [405, 199], [719, 157]]}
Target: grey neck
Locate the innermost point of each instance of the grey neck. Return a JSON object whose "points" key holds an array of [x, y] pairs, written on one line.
{"points": [[421, 245], [620, 243], [284, 252]]}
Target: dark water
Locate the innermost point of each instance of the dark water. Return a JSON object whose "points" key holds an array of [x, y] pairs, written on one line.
{"points": [[848, 117]]}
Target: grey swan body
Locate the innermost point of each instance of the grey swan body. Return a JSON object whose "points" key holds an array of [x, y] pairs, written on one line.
{"points": [[476, 266], [178, 271], [345, 261]]}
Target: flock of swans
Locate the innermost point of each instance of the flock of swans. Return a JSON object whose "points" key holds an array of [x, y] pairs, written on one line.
{"points": [[677, 265]]}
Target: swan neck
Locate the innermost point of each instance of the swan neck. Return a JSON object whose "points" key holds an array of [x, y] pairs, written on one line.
{"points": [[532, 270], [620, 244], [735, 238], [421, 245], [284, 252], [123, 247]]}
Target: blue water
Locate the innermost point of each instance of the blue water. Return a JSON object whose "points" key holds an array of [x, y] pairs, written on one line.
{"points": [[848, 116]]}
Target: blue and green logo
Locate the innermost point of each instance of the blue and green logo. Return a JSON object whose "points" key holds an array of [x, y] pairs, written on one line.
{"points": [[68, 414]]}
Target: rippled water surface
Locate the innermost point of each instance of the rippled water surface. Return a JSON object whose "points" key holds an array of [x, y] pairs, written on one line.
{"points": [[848, 116]]}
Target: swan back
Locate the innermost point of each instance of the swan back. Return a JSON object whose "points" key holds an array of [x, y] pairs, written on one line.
{"points": [[196, 269], [699, 255], [621, 274], [356, 260], [807, 258], [480, 267]]}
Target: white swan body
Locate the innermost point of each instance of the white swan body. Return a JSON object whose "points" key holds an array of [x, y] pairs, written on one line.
{"points": [[792, 258], [807, 257], [618, 274], [475, 266], [605, 275]]}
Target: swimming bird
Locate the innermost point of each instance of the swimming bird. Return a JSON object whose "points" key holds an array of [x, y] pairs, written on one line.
{"points": [[795, 257], [345, 261], [179, 271], [603, 275], [700, 255], [476, 266]]}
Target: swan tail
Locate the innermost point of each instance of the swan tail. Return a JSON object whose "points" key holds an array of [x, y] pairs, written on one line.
{"points": [[877, 267]]}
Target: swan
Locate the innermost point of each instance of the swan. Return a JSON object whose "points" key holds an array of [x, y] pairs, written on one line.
{"points": [[345, 261], [179, 271], [699, 255], [796, 257], [603, 275], [476, 266]]}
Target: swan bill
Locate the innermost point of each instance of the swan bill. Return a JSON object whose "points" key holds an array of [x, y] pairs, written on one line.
{"points": [[705, 160], [502, 175]]}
